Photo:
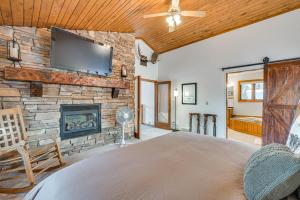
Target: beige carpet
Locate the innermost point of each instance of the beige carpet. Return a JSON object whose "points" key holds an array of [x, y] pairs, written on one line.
{"points": [[69, 160], [147, 132]]}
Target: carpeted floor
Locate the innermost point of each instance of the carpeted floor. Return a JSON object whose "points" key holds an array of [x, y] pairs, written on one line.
{"points": [[244, 138], [147, 132], [68, 160]]}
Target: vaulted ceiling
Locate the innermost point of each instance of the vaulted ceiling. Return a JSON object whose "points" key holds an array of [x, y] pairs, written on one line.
{"points": [[127, 16]]}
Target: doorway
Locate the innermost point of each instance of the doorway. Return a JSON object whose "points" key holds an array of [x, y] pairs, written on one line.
{"points": [[163, 104], [148, 102], [153, 109], [245, 91]]}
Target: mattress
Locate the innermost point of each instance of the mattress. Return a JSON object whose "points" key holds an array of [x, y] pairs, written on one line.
{"points": [[173, 166]]}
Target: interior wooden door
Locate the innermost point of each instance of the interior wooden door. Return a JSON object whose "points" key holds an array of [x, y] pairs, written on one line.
{"points": [[281, 97], [163, 104], [137, 103]]}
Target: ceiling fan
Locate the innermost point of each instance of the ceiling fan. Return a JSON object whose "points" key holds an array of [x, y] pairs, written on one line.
{"points": [[174, 15]]}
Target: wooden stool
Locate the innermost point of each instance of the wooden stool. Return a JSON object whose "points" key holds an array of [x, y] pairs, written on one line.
{"points": [[214, 120], [198, 121]]}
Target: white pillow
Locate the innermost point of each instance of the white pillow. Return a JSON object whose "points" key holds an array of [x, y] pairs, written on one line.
{"points": [[293, 141]]}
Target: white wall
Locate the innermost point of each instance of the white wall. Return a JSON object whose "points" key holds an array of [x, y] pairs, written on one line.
{"points": [[245, 108], [148, 102], [277, 38], [149, 72]]}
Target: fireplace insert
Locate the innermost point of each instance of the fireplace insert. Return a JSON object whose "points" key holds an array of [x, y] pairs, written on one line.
{"points": [[79, 120]]}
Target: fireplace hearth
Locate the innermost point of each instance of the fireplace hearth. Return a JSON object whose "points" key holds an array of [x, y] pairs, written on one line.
{"points": [[79, 120]]}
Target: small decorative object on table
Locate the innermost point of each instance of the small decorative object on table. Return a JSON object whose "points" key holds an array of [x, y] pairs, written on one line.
{"points": [[198, 121]]}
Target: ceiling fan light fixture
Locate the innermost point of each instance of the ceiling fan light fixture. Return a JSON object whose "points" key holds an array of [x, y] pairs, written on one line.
{"points": [[177, 19], [174, 14], [170, 21]]}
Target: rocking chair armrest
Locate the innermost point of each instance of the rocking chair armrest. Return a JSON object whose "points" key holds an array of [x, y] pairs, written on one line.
{"points": [[21, 148], [14, 154], [21, 145]]}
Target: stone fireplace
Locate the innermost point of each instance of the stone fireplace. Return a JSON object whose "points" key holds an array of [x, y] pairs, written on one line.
{"points": [[43, 115], [79, 120]]}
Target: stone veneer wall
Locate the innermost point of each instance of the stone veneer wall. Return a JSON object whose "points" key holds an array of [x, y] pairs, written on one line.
{"points": [[42, 114]]}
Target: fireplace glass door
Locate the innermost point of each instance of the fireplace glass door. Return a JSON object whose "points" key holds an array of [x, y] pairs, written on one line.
{"points": [[79, 120]]}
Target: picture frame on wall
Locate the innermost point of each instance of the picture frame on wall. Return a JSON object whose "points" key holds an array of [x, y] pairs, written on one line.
{"points": [[230, 92], [230, 103], [189, 93]]}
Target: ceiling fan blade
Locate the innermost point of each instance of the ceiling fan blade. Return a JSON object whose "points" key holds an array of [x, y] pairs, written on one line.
{"points": [[175, 3], [193, 13], [172, 29], [156, 15]]}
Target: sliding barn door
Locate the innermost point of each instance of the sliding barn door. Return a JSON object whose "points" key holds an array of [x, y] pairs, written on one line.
{"points": [[281, 97]]}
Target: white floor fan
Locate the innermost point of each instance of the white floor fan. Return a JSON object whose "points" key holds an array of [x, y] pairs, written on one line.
{"points": [[124, 115]]}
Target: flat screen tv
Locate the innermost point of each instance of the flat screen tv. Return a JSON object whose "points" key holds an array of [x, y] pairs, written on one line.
{"points": [[72, 52]]}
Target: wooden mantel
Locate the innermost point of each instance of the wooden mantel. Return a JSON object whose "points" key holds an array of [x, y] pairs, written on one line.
{"points": [[54, 77]]}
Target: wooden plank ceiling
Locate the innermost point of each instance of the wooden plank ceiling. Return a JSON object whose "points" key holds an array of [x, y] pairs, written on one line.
{"points": [[127, 16]]}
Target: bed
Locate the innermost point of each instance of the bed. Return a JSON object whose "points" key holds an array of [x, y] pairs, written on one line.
{"points": [[173, 166], [249, 125]]}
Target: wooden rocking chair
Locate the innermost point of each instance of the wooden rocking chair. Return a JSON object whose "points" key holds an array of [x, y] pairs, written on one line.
{"points": [[16, 156]]}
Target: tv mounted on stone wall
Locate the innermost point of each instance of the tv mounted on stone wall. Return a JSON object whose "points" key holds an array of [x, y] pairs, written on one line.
{"points": [[76, 53]]}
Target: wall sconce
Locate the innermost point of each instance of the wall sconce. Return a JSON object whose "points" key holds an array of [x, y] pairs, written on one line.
{"points": [[13, 50], [176, 93], [124, 71]]}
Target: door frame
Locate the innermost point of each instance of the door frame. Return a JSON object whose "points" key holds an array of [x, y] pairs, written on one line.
{"points": [[139, 79], [158, 124], [226, 83], [154, 82], [138, 106]]}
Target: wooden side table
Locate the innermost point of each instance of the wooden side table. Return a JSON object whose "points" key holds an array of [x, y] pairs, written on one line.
{"points": [[214, 120], [198, 121]]}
